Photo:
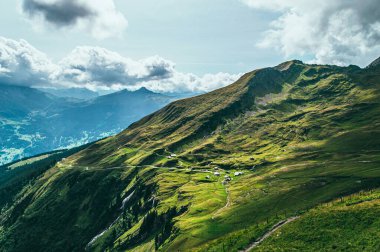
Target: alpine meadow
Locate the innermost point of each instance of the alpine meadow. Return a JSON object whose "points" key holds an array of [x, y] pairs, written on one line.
{"points": [[140, 126]]}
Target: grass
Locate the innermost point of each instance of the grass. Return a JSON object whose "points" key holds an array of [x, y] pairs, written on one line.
{"points": [[348, 224], [238, 240]]}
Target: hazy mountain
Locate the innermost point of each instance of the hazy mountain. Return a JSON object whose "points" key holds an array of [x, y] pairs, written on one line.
{"points": [[78, 93], [33, 122], [18, 102], [281, 146]]}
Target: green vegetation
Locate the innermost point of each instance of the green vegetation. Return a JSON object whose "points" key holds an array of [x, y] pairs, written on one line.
{"points": [[348, 224], [301, 135], [15, 176]]}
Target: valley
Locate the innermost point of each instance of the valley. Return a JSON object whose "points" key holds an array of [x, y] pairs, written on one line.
{"points": [[33, 122]]}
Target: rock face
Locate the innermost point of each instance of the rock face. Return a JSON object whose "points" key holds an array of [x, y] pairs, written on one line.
{"points": [[374, 63]]}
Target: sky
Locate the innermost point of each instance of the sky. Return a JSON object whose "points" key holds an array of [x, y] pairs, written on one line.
{"points": [[176, 46]]}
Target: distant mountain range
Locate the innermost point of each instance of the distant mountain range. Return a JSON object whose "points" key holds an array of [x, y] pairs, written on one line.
{"points": [[77, 93], [34, 121]]}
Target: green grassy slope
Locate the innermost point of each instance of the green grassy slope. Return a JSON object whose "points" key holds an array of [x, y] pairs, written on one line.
{"points": [[301, 134], [348, 224], [16, 175]]}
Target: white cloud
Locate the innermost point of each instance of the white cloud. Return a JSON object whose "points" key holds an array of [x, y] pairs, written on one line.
{"points": [[335, 32], [99, 69], [103, 67], [99, 17], [187, 82], [22, 64]]}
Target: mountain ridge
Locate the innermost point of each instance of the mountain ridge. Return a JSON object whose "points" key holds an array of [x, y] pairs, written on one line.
{"points": [[33, 121], [214, 172]]}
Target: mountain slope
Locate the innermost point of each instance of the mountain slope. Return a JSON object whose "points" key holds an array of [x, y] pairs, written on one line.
{"points": [[212, 172], [34, 122], [18, 102], [375, 63], [333, 224], [14, 176], [76, 93]]}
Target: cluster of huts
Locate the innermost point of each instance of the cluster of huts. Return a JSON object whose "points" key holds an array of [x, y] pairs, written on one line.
{"points": [[227, 177]]}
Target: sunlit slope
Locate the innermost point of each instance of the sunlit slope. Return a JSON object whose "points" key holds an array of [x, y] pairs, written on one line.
{"points": [[300, 134], [348, 224]]}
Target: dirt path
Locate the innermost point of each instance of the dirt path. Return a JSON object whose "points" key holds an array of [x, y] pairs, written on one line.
{"points": [[270, 232], [228, 203]]}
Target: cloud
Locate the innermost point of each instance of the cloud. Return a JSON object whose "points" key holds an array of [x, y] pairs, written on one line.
{"points": [[99, 17], [61, 13], [103, 67], [22, 64], [335, 32], [97, 69], [187, 82]]}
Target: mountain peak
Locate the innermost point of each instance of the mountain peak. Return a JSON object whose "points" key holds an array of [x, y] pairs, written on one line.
{"points": [[375, 63], [287, 64], [143, 90]]}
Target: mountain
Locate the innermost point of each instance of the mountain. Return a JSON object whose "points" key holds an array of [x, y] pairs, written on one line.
{"points": [[18, 102], [77, 93], [375, 63], [33, 122], [293, 147]]}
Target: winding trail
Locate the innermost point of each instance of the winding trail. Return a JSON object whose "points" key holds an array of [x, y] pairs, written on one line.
{"points": [[228, 203], [270, 232], [100, 168]]}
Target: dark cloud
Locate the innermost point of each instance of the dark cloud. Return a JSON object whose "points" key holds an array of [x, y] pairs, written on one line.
{"points": [[159, 71], [59, 13], [100, 18]]}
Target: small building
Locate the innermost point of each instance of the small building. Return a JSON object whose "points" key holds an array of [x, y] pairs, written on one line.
{"points": [[217, 174], [227, 178], [207, 177], [238, 173]]}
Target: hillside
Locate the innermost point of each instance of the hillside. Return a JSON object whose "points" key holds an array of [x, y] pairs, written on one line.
{"points": [[34, 122], [213, 172], [330, 227], [16, 175]]}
